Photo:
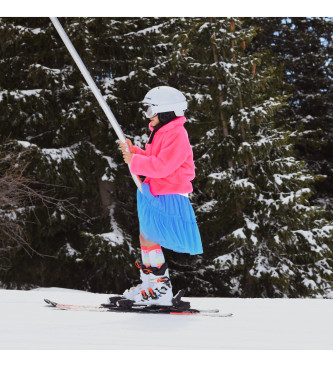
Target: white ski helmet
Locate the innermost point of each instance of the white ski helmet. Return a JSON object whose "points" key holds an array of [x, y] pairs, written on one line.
{"points": [[164, 99]]}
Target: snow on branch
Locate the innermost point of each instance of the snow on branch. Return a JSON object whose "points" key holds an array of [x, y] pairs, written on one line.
{"points": [[19, 196]]}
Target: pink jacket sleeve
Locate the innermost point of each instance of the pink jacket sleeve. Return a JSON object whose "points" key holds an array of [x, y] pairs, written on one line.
{"points": [[171, 156], [139, 150]]}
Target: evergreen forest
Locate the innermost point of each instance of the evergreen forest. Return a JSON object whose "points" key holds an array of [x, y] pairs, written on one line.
{"points": [[260, 123]]}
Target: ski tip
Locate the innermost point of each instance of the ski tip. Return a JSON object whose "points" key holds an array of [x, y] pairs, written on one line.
{"points": [[50, 303], [225, 315], [216, 314]]}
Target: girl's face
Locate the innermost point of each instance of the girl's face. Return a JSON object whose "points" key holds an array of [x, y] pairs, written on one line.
{"points": [[154, 120]]}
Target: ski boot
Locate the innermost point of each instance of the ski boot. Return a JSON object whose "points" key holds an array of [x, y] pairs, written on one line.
{"points": [[144, 276], [159, 289]]}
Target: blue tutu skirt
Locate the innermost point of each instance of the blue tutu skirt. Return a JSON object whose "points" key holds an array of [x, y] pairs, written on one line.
{"points": [[169, 221]]}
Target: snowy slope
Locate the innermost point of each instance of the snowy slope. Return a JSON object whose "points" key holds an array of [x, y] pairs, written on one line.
{"points": [[26, 323]]}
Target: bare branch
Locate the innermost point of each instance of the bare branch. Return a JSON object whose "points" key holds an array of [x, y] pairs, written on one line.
{"points": [[19, 196]]}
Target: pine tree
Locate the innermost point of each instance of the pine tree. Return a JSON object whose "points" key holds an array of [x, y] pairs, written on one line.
{"points": [[304, 46], [72, 144], [256, 220], [272, 242], [54, 120]]}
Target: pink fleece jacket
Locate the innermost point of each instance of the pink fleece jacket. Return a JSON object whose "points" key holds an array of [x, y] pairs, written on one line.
{"points": [[167, 162]]}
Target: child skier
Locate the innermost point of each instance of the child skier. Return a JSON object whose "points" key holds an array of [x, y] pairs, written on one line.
{"points": [[166, 216]]}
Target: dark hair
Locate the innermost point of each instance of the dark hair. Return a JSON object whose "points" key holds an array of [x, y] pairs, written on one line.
{"points": [[165, 117]]}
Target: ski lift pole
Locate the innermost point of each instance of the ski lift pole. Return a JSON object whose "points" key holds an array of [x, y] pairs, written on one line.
{"points": [[94, 89]]}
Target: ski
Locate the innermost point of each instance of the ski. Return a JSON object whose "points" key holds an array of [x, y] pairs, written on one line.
{"points": [[153, 309], [75, 307]]}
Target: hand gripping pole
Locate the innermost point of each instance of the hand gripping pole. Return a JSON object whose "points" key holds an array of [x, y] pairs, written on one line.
{"points": [[94, 88]]}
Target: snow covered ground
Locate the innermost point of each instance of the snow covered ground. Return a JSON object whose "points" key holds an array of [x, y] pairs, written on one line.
{"points": [[274, 324]]}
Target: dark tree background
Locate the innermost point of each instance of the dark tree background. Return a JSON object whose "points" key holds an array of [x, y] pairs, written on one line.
{"points": [[259, 121]]}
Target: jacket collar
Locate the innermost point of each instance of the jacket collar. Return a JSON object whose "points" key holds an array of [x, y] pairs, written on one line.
{"points": [[171, 125]]}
